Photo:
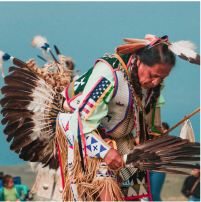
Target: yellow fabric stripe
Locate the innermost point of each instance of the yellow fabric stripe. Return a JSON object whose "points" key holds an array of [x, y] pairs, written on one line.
{"points": [[93, 128], [114, 144], [72, 89]]}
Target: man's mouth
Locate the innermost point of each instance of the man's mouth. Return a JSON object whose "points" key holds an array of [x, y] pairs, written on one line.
{"points": [[147, 85]]}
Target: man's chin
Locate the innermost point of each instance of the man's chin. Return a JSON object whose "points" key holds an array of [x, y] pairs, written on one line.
{"points": [[145, 86]]}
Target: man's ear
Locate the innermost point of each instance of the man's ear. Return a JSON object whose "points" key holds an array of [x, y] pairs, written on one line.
{"points": [[138, 61]]}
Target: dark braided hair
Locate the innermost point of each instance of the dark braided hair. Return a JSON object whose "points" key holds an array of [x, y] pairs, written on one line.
{"points": [[158, 54]]}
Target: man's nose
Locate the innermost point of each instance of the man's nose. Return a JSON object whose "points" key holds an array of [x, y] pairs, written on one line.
{"points": [[156, 81]]}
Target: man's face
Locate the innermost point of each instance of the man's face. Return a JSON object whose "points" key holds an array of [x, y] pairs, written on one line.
{"points": [[152, 76]]}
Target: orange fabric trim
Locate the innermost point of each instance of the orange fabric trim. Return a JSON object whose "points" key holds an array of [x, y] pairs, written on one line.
{"points": [[114, 144], [93, 128]]}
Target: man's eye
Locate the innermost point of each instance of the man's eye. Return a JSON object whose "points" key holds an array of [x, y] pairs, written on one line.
{"points": [[156, 76], [151, 76]]}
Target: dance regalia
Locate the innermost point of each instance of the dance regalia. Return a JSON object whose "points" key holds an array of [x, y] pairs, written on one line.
{"points": [[102, 98], [51, 127]]}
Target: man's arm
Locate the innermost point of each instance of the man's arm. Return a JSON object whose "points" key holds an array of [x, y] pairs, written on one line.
{"points": [[91, 111]]}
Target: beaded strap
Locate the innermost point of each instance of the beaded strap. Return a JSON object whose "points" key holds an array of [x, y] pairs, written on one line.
{"points": [[127, 76]]}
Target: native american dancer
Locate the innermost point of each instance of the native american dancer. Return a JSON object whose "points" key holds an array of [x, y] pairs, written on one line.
{"points": [[116, 99]]}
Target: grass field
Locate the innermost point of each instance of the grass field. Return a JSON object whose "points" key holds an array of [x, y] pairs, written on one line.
{"points": [[171, 190]]}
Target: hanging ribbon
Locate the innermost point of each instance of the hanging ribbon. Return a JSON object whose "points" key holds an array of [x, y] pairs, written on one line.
{"points": [[81, 135]]}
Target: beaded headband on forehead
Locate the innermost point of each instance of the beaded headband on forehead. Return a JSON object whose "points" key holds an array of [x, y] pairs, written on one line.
{"points": [[184, 49]]}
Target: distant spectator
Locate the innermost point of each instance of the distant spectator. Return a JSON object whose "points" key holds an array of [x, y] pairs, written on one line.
{"points": [[165, 127], [157, 179], [11, 192], [191, 186]]}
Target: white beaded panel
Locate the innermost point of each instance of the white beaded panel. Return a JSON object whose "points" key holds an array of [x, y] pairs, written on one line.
{"points": [[117, 109]]}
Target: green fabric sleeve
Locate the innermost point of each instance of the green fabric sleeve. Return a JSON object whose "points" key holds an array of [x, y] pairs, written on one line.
{"points": [[159, 103], [101, 69], [161, 100]]}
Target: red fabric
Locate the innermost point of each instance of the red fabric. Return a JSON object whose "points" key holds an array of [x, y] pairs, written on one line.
{"points": [[62, 177]]}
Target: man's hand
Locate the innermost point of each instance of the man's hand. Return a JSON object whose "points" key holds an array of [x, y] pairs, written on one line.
{"points": [[114, 159]]}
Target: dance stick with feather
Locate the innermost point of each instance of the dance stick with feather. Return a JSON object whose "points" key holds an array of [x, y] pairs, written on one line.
{"points": [[180, 122]]}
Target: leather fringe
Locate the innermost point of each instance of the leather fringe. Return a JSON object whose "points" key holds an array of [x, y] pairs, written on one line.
{"points": [[101, 183], [87, 185], [63, 146]]}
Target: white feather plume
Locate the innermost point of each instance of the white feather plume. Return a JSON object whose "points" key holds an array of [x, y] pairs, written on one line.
{"points": [[150, 36], [178, 50], [1, 54], [1, 63], [43, 95], [37, 106], [39, 41], [186, 44]]}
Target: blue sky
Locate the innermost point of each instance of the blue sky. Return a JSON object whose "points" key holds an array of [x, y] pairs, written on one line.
{"points": [[87, 30]]}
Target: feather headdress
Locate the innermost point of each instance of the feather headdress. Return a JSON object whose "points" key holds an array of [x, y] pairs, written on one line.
{"points": [[31, 104], [66, 63], [184, 49], [42, 44]]}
